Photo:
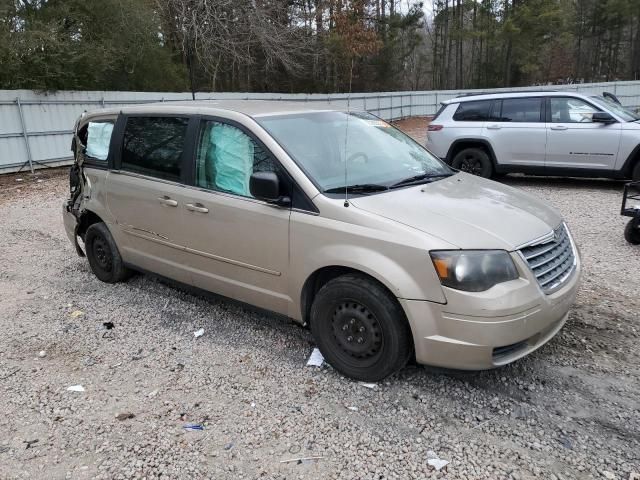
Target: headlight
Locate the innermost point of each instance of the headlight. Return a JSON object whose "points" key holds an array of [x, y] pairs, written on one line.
{"points": [[473, 270]]}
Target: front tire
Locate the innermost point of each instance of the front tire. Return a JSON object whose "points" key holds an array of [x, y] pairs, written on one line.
{"points": [[473, 160], [635, 174], [632, 231], [360, 328], [103, 255]]}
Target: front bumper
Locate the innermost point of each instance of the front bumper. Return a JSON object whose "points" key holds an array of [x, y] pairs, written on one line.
{"points": [[477, 331]]}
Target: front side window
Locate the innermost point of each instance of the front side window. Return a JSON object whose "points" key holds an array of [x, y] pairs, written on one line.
{"points": [[153, 146], [226, 158], [95, 137], [357, 147], [571, 110], [521, 110], [475, 111]]}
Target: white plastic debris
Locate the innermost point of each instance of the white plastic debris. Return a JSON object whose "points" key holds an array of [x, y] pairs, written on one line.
{"points": [[42, 354], [198, 333], [436, 462], [76, 313], [353, 409], [152, 394], [372, 386], [316, 359], [76, 388]]}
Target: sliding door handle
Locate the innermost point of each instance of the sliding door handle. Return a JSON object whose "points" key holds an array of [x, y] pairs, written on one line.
{"points": [[167, 202], [197, 207]]}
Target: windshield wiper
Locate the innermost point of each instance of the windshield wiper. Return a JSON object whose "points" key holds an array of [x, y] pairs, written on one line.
{"points": [[420, 178], [359, 188]]}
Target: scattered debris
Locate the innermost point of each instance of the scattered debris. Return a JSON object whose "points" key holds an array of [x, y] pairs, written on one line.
{"points": [[166, 305], [16, 370], [108, 325], [193, 427], [31, 442], [229, 446], [434, 461], [372, 386], [125, 416], [353, 409], [152, 393], [566, 443], [76, 313], [19, 180], [302, 459], [608, 475], [116, 365], [89, 361], [76, 388], [293, 449], [316, 359], [198, 333], [42, 354], [4, 449]]}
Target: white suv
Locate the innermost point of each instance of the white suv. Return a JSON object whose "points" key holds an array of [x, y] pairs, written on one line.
{"points": [[539, 133]]}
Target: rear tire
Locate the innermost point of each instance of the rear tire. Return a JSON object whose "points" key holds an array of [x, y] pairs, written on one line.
{"points": [[103, 255], [473, 160], [632, 232], [360, 328]]}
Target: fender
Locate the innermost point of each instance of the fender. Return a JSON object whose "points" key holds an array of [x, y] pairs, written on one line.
{"points": [[483, 141], [629, 163]]}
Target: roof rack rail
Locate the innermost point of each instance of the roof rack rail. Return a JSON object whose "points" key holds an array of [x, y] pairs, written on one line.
{"points": [[473, 94]]}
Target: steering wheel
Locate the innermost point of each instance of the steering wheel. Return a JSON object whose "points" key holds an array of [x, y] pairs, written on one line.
{"points": [[352, 158]]}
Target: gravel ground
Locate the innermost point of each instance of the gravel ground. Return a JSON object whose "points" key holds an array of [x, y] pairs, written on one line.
{"points": [[570, 410]]}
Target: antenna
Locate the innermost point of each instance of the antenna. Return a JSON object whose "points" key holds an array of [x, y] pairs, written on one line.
{"points": [[346, 136]]}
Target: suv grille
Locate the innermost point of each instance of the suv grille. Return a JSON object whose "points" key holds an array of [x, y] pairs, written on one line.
{"points": [[551, 261]]}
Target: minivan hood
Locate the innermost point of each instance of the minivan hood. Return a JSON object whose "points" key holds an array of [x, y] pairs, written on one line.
{"points": [[467, 211]]}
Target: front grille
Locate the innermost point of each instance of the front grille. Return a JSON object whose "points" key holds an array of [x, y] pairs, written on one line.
{"points": [[552, 260]]}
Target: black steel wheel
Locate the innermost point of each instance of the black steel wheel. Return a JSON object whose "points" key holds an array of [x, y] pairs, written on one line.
{"points": [[474, 161], [103, 255], [360, 328]]}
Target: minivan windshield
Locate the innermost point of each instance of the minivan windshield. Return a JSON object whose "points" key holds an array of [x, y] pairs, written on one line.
{"points": [[374, 155], [624, 113]]}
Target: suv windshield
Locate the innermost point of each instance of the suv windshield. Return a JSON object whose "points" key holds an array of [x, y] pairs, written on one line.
{"points": [[624, 113], [376, 154]]}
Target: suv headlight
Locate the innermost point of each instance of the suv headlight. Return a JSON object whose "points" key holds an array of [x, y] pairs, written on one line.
{"points": [[473, 270]]}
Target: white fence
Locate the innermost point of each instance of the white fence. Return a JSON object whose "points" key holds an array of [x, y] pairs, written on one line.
{"points": [[35, 128]]}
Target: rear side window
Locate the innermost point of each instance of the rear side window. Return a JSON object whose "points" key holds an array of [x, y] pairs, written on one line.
{"points": [[521, 110], [95, 138], [477, 111], [153, 146]]}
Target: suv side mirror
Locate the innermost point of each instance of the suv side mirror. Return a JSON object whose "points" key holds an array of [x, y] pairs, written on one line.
{"points": [[603, 117], [266, 186]]}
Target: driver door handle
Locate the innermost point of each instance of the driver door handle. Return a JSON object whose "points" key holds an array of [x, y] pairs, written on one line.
{"points": [[559, 127], [165, 200], [197, 207], [493, 127]]}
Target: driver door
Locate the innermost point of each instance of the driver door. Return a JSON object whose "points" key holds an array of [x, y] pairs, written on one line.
{"points": [[575, 141]]}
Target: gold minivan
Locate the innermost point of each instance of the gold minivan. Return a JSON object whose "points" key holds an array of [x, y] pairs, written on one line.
{"points": [[330, 217]]}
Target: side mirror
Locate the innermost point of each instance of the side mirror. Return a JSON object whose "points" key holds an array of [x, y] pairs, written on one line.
{"points": [[266, 186], [603, 117]]}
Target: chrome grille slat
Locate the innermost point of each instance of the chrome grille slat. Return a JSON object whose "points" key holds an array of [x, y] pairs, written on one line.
{"points": [[551, 261]]}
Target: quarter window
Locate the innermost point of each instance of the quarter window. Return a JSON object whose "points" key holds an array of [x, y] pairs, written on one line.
{"points": [[96, 136], [521, 110], [476, 111], [571, 110], [226, 158], [153, 146]]}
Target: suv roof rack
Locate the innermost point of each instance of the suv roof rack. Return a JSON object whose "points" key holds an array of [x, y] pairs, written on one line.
{"points": [[472, 94]]}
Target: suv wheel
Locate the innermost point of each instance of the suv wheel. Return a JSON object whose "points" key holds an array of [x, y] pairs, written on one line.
{"points": [[360, 328], [635, 175], [632, 231], [103, 255], [473, 160]]}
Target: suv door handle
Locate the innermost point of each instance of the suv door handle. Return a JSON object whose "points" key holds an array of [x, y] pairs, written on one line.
{"points": [[559, 127], [494, 127], [197, 207], [167, 201]]}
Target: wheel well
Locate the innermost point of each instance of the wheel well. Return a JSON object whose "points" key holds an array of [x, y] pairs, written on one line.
{"points": [[459, 146], [87, 219], [633, 161]]}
